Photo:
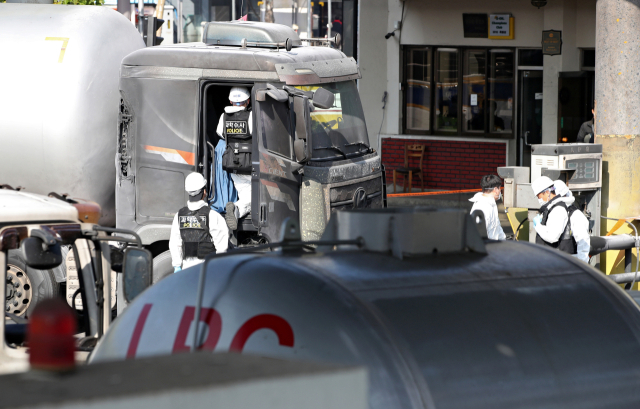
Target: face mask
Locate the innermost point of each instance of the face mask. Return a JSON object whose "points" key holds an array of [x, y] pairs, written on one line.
{"points": [[542, 202], [500, 197]]}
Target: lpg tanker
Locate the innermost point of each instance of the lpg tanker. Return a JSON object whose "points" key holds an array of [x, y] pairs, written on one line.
{"points": [[439, 315], [60, 98]]}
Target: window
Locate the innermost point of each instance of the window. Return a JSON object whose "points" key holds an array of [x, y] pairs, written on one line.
{"points": [[459, 91], [276, 136], [588, 59], [501, 91], [530, 57], [474, 84], [447, 90], [418, 96]]}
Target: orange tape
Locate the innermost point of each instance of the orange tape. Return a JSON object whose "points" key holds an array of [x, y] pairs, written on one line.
{"points": [[444, 192]]}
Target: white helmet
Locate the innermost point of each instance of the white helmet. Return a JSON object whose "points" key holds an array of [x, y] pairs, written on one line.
{"points": [[541, 184], [239, 94], [194, 183], [561, 188]]}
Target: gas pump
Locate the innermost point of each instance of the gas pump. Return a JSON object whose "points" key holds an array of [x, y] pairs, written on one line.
{"points": [[579, 165]]}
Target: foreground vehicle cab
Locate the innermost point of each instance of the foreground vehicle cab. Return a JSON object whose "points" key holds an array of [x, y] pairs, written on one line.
{"points": [[35, 229], [310, 152], [439, 316]]}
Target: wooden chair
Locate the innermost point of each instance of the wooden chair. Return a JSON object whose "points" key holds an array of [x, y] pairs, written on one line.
{"points": [[410, 151]]}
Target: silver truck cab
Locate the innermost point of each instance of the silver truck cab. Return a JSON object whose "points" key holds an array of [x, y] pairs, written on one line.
{"points": [[308, 160]]}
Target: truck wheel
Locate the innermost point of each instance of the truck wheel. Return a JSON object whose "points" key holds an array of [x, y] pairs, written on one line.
{"points": [[27, 286], [162, 266]]}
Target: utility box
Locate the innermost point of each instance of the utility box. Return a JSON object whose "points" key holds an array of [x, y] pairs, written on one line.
{"points": [[585, 158]]}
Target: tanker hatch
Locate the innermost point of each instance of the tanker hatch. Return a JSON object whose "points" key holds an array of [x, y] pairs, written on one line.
{"points": [[408, 231]]}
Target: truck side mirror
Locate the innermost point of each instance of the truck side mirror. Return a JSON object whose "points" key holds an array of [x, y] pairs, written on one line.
{"points": [[302, 125], [323, 99], [41, 251], [137, 268], [273, 92]]}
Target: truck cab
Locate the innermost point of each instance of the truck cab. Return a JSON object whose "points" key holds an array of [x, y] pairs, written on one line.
{"points": [[310, 151]]}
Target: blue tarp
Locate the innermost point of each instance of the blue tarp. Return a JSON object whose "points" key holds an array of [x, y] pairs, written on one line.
{"points": [[224, 191]]}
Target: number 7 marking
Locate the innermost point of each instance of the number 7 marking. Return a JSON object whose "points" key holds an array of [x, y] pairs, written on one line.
{"points": [[64, 40]]}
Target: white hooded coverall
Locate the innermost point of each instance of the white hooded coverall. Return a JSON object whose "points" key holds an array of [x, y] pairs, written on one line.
{"points": [[217, 229], [490, 209], [241, 182], [557, 221], [579, 224]]}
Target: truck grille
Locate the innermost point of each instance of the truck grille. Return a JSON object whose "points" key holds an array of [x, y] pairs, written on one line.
{"points": [[342, 197]]}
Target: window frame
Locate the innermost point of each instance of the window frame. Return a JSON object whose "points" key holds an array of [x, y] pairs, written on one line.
{"points": [[433, 55]]}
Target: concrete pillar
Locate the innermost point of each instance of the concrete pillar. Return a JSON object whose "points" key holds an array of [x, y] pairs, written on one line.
{"points": [[372, 57], [617, 113], [394, 61], [124, 8], [558, 15]]}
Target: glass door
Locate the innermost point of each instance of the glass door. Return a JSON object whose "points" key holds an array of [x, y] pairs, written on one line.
{"points": [[530, 129]]}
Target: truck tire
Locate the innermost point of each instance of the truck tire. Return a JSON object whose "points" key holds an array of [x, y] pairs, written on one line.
{"points": [[27, 286], [162, 266]]}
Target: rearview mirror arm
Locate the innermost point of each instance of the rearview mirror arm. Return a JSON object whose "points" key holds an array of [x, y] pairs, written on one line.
{"points": [[118, 238]]}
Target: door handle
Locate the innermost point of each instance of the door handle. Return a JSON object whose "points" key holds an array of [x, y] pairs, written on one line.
{"points": [[526, 138]]}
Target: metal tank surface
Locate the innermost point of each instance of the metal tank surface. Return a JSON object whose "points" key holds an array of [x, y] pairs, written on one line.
{"points": [[441, 318], [59, 82]]}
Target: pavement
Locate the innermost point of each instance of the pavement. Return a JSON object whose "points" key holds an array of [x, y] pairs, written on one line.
{"points": [[443, 201]]}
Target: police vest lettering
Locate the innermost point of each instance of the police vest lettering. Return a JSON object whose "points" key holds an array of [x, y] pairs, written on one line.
{"points": [[566, 243], [237, 154], [194, 231]]}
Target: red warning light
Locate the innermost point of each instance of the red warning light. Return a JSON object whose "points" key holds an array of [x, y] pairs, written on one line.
{"points": [[50, 336]]}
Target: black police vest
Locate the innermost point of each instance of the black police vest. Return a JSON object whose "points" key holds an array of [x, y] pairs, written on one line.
{"points": [[237, 154], [194, 230], [566, 243]]}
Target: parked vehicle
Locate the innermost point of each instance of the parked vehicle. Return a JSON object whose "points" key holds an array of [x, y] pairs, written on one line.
{"points": [[60, 69], [34, 229], [310, 153]]}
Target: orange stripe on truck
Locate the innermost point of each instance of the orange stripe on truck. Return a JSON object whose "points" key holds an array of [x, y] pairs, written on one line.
{"points": [[188, 157]]}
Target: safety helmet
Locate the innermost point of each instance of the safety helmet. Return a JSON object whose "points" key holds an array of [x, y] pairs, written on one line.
{"points": [[194, 183], [541, 184], [239, 94], [561, 188]]}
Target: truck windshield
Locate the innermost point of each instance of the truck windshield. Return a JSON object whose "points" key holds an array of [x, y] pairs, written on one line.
{"points": [[340, 131]]}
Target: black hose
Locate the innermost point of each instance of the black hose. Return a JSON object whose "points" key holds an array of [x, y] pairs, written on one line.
{"points": [[635, 275], [518, 229]]}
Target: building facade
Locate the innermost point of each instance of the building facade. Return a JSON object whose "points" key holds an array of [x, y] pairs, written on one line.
{"points": [[476, 102]]}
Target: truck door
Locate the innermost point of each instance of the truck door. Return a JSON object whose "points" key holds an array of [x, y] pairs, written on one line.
{"points": [[164, 142], [275, 187]]}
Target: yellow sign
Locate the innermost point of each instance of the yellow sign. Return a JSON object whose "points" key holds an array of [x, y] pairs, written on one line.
{"points": [[501, 27]]}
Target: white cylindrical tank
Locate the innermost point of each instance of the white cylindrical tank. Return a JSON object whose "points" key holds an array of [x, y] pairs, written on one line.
{"points": [[59, 98]]}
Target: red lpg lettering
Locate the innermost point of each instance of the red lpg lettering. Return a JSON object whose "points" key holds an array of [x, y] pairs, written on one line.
{"points": [[137, 331], [265, 321], [207, 315]]}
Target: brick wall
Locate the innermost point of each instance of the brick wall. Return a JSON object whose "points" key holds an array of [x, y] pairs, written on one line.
{"points": [[446, 164]]}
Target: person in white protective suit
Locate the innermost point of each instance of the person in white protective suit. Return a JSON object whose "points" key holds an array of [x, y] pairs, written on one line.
{"points": [[235, 126], [486, 201], [552, 224], [196, 230], [579, 223]]}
